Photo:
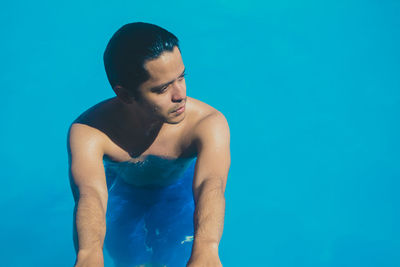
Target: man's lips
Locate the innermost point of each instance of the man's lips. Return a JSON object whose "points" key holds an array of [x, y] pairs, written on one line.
{"points": [[179, 109]]}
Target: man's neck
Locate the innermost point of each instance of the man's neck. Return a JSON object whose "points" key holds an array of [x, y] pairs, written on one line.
{"points": [[143, 120]]}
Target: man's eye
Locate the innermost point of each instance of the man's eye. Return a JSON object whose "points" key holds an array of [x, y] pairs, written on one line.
{"points": [[162, 90]]}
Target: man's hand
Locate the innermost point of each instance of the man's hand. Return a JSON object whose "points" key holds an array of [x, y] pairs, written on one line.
{"points": [[204, 256], [90, 258]]}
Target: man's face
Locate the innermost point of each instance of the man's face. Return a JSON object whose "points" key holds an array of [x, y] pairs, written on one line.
{"points": [[165, 91]]}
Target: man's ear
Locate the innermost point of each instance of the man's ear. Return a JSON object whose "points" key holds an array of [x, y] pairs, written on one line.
{"points": [[123, 94]]}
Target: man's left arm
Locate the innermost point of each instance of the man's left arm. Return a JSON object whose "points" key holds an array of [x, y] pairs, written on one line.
{"points": [[209, 182]]}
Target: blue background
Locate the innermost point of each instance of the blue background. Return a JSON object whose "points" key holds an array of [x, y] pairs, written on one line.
{"points": [[311, 90]]}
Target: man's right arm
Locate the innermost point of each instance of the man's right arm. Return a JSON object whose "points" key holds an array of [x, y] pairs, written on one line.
{"points": [[89, 188]]}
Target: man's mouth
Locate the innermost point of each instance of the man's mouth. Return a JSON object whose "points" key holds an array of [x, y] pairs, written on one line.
{"points": [[179, 110]]}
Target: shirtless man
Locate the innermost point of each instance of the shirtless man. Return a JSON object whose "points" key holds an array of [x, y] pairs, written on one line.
{"points": [[151, 116]]}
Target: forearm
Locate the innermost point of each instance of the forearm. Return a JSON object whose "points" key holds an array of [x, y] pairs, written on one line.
{"points": [[90, 223], [209, 216]]}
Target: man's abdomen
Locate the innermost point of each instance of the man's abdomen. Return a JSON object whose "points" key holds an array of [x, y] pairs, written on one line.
{"points": [[151, 225]]}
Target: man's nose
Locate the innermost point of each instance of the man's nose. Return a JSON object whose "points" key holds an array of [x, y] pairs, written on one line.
{"points": [[178, 91]]}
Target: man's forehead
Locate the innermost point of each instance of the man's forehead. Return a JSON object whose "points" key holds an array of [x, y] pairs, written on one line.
{"points": [[164, 60], [169, 63]]}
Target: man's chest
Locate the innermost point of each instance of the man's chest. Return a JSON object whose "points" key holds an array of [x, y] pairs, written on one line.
{"points": [[173, 144], [162, 163]]}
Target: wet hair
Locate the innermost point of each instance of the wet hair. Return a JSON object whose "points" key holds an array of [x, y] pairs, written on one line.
{"points": [[129, 49]]}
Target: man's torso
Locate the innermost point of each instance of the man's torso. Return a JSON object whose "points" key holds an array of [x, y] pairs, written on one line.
{"points": [[143, 160]]}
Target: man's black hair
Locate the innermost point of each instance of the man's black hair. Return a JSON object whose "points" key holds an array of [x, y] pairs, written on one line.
{"points": [[129, 49]]}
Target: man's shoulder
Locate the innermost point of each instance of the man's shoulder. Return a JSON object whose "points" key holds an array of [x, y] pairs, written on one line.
{"points": [[87, 128], [83, 136], [82, 130], [203, 111], [207, 118], [90, 123]]}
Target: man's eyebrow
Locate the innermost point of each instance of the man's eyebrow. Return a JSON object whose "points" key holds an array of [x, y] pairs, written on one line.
{"points": [[168, 83]]}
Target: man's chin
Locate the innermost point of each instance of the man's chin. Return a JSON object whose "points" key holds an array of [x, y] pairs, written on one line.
{"points": [[175, 120]]}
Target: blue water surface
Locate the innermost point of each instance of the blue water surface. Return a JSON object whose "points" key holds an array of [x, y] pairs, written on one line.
{"points": [[311, 91]]}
